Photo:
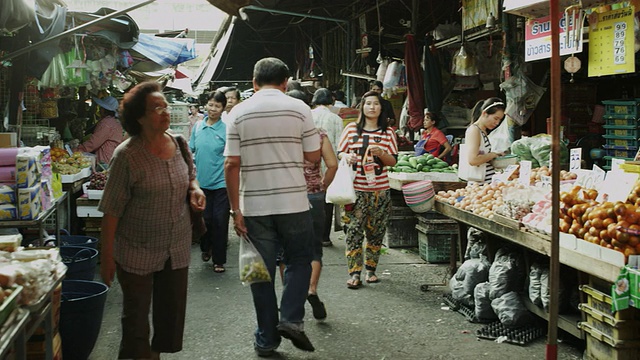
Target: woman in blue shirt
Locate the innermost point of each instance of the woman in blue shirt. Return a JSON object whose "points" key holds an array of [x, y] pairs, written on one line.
{"points": [[208, 139]]}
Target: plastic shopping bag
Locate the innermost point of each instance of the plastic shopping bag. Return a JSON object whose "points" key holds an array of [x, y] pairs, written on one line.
{"points": [[253, 269], [341, 191]]}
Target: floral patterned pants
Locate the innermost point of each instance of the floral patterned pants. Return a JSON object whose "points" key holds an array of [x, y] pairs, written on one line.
{"points": [[368, 216]]}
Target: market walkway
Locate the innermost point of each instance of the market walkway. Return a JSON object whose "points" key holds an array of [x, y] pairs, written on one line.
{"points": [[392, 320]]}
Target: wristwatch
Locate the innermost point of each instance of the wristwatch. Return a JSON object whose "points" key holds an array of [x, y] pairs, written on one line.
{"points": [[233, 213]]}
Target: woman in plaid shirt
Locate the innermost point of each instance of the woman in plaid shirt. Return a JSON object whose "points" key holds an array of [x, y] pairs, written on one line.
{"points": [[146, 228]]}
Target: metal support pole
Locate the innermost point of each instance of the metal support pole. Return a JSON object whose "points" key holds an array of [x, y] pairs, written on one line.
{"points": [[282, 12], [72, 31], [556, 99]]}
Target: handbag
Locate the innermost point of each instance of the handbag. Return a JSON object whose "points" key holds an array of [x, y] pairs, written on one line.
{"points": [[341, 191], [468, 172], [198, 227]]}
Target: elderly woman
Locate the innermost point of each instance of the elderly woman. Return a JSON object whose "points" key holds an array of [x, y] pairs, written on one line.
{"points": [[146, 231]]}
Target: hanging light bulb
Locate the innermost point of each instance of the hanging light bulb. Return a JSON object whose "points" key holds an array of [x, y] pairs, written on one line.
{"points": [[379, 58], [491, 21]]}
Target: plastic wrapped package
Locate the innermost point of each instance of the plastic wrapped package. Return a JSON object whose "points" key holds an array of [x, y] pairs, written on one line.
{"points": [[464, 63], [522, 95], [484, 311], [535, 285], [511, 310], [501, 138], [537, 149], [471, 273], [476, 244], [506, 273], [522, 149]]}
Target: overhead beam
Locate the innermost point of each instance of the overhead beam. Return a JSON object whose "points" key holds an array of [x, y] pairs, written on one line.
{"points": [[290, 13]]}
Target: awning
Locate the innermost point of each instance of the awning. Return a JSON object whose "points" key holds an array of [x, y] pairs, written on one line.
{"points": [[164, 52], [210, 64]]}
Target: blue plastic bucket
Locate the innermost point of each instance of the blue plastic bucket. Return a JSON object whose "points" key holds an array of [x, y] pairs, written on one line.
{"points": [[81, 313], [73, 240], [81, 262]]}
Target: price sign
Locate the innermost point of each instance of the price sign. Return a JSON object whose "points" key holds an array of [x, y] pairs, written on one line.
{"points": [[616, 186], [615, 165], [619, 49], [68, 148], [588, 179], [545, 180], [599, 174], [525, 172], [505, 175], [575, 159]]}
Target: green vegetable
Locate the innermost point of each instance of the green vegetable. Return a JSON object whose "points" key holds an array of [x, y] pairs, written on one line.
{"points": [[419, 167], [403, 163], [414, 162], [432, 161], [422, 160]]}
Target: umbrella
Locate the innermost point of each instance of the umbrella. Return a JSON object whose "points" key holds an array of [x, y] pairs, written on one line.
{"points": [[432, 78], [415, 84]]}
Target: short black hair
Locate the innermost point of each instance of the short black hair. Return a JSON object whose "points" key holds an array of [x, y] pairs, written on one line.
{"points": [[232, 89], [377, 83], [322, 96], [270, 71], [217, 96], [134, 106], [339, 95], [298, 94], [434, 117]]}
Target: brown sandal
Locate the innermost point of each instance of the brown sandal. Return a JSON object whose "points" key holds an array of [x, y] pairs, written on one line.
{"points": [[218, 268], [354, 282]]}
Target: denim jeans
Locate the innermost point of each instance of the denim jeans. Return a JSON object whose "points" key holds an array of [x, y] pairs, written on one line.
{"points": [[317, 217], [293, 233]]}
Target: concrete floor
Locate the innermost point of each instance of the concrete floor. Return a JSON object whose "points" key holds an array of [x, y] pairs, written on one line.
{"points": [[393, 319]]}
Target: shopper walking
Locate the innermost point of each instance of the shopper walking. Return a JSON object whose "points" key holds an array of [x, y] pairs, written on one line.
{"points": [[369, 145], [233, 98], [268, 197], [487, 114], [207, 142], [332, 124], [194, 117], [146, 232]]}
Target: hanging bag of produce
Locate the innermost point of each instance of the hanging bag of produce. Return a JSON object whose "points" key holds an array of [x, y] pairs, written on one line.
{"points": [[468, 172], [253, 269], [341, 191]]}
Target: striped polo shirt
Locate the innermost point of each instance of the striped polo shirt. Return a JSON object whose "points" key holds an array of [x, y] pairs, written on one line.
{"points": [[351, 142], [270, 131]]}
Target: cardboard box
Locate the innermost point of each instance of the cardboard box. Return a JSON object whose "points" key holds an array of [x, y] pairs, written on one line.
{"points": [[29, 202], [8, 212], [8, 140]]}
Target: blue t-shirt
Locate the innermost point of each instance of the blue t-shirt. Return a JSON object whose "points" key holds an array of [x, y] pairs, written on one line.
{"points": [[207, 143]]}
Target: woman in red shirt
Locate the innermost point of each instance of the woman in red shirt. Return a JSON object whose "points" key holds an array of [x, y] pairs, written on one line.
{"points": [[433, 138]]}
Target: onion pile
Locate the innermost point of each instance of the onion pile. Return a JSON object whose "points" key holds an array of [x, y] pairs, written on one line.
{"points": [[480, 199]]}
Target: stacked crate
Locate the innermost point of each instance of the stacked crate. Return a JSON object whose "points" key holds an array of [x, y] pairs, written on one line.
{"points": [[436, 233], [401, 231], [609, 335], [621, 129]]}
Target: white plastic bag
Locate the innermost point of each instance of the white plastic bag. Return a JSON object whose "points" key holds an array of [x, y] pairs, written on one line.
{"points": [[500, 138], [341, 191], [253, 269], [468, 172]]}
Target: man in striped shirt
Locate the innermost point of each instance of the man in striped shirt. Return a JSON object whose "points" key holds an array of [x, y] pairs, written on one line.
{"points": [[268, 137]]}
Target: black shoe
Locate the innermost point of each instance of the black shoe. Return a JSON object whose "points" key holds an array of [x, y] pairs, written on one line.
{"points": [[319, 311], [298, 338], [327, 243]]}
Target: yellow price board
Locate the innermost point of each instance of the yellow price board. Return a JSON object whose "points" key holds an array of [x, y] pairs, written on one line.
{"points": [[611, 43]]}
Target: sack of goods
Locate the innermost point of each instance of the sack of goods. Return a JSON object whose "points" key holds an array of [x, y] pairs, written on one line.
{"points": [[419, 195]]}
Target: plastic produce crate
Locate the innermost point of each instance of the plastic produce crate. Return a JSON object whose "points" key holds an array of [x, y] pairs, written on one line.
{"points": [[628, 153], [435, 246], [624, 141], [619, 130], [438, 224], [621, 120], [9, 304], [401, 231], [610, 326], [621, 107], [601, 346], [601, 302]]}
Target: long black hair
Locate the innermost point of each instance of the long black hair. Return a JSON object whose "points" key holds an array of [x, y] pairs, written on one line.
{"points": [[491, 106], [382, 119]]}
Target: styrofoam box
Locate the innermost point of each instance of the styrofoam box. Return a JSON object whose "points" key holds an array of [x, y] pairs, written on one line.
{"points": [[589, 249], [92, 194], [88, 211], [68, 179], [612, 256], [568, 241]]}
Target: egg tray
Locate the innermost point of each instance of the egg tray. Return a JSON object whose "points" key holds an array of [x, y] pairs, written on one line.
{"points": [[455, 305], [521, 335]]}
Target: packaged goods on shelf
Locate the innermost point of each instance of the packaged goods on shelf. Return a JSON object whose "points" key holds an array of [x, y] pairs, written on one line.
{"points": [[29, 204], [7, 194], [27, 173], [8, 212], [10, 243]]}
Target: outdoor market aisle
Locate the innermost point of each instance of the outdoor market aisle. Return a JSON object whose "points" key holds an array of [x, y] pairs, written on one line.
{"points": [[389, 320]]}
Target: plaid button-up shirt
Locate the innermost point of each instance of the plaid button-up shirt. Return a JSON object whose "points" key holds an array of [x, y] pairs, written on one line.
{"points": [[149, 196]]}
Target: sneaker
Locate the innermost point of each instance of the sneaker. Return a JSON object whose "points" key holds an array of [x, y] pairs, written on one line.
{"points": [[327, 243], [319, 311], [298, 338]]}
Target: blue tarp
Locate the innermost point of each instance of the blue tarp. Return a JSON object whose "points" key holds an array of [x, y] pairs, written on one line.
{"points": [[165, 51]]}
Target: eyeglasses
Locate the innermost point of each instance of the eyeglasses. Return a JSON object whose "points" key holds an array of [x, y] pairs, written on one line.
{"points": [[160, 109]]}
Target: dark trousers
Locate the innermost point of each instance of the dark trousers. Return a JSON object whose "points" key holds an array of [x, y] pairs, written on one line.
{"points": [[328, 219], [216, 216], [168, 289]]}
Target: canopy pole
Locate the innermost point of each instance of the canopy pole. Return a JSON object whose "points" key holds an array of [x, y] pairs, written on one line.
{"points": [[556, 99], [72, 31]]}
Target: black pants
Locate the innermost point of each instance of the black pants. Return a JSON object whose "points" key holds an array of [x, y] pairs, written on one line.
{"points": [[328, 220], [168, 288], [216, 216]]}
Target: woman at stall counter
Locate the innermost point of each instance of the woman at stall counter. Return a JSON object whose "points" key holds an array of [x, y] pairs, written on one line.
{"points": [[488, 114], [207, 142], [146, 228], [434, 139], [107, 134], [370, 213]]}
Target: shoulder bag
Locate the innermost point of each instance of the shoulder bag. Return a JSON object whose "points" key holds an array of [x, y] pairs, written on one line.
{"points": [[198, 227]]}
